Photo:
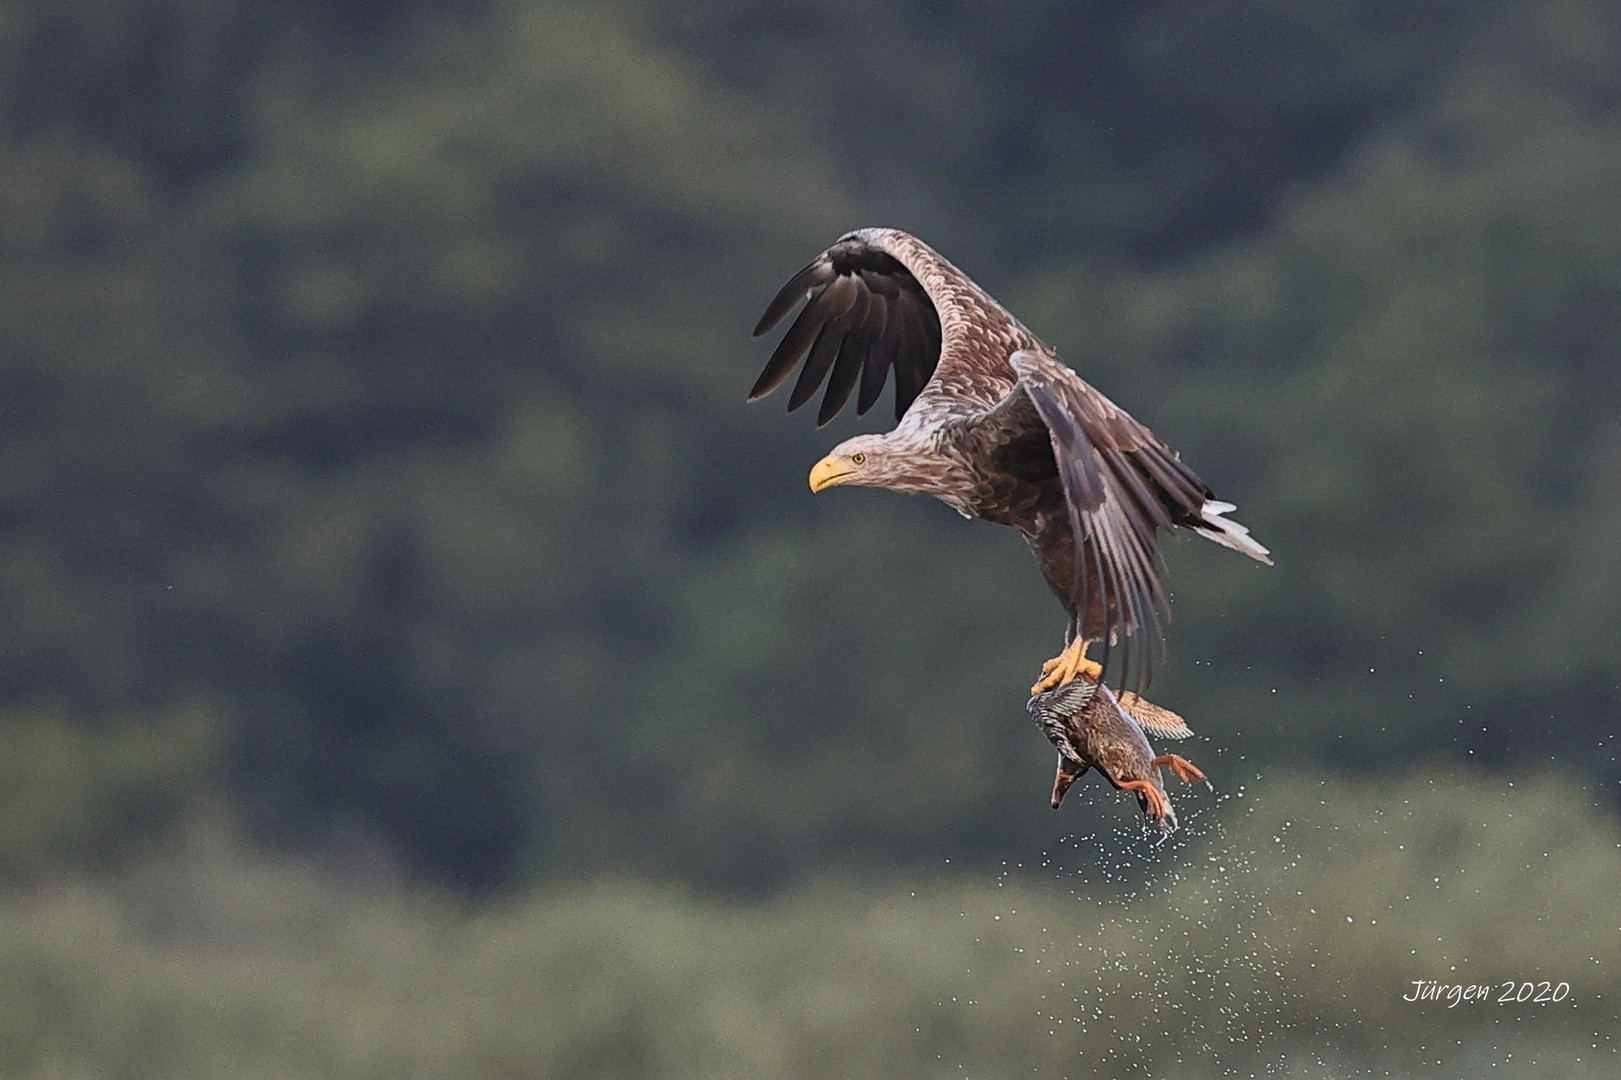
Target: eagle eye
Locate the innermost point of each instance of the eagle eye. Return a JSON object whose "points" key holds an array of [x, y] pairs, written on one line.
{"points": [[858, 458]]}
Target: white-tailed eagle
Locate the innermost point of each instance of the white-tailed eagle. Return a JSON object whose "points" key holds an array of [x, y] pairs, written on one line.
{"points": [[991, 423]]}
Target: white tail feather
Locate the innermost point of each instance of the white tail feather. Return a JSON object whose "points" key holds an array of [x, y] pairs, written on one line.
{"points": [[1229, 533]]}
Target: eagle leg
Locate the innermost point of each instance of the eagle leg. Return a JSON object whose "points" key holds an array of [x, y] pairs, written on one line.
{"points": [[1069, 771], [1183, 768], [1146, 791], [1066, 667]]}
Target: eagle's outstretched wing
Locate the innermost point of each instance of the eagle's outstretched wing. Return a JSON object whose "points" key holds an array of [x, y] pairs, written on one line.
{"points": [[1122, 487], [881, 299]]}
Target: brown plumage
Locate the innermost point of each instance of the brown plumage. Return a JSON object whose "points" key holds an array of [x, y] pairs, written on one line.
{"points": [[1091, 728], [991, 423]]}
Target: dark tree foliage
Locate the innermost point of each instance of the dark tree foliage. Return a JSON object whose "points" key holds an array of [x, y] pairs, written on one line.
{"points": [[374, 456]]}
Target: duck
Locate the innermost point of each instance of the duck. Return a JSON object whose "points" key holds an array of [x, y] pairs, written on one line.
{"points": [[1092, 728]]}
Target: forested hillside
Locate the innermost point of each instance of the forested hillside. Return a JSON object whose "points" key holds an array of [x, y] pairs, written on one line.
{"points": [[418, 660], [375, 460]]}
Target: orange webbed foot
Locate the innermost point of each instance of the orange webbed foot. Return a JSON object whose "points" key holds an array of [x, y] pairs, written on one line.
{"points": [[1157, 809], [1183, 768]]}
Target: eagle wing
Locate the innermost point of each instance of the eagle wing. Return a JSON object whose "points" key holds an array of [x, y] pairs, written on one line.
{"points": [[1122, 486], [881, 299]]}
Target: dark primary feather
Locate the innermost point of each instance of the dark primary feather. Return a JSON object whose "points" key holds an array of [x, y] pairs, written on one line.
{"points": [[875, 372], [856, 351], [791, 349], [847, 307], [799, 287], [916, 354], [886, 346], [864, 314]]}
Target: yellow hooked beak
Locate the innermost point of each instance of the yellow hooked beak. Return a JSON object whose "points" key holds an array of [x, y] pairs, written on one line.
{"points": [[829, 471]]}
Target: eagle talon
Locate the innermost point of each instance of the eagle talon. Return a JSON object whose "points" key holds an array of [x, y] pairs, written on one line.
{"points": [[1066, 667]]}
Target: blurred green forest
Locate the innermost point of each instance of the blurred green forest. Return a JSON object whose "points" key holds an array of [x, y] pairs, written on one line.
{"points": [[376, 460], [377, 497], [1252, 954]]}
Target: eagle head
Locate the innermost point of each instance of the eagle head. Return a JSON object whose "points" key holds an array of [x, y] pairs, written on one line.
{"points": [[867, 460]]}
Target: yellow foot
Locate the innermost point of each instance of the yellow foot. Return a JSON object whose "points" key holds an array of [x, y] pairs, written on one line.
{"points": [[1065, 667]]}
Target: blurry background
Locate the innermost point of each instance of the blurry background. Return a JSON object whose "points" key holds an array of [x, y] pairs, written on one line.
{"points": [[417, 660]]}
